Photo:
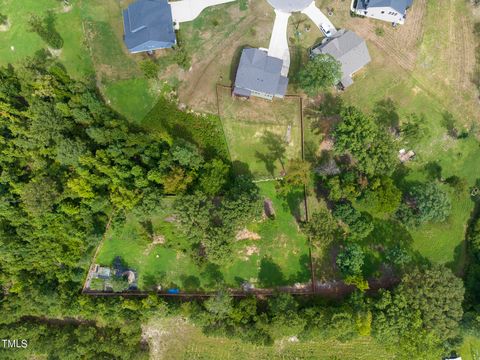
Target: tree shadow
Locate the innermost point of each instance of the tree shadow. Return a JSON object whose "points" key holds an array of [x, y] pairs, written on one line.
{"points": [[433, 170], [270, 274], [151, 281], [212, 275], [386, 113], [294, 200], [190, 282], [241, 168], [276, 148], [304, 275]]}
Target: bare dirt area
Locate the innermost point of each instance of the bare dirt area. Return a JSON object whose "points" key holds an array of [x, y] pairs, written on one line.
{"points": [[220, 54], [245, 234]]}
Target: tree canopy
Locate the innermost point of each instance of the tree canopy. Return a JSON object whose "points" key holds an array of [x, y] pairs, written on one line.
{"points": [[320, 73]]}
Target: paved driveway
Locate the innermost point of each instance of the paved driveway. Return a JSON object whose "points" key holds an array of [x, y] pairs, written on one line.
{"points": [[318, 17], [279, 42], [188, 10]]}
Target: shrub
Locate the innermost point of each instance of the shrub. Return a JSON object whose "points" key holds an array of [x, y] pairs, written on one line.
{"points": [[150, 68]]}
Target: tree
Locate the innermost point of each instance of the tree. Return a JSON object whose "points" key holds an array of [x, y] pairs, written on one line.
{"points": [[359, 225], [427, 305], [430, 202], [359, 136], [350, 260], [322, 229], [320, 73], [383, 197], [214, 177], [297, 175]]}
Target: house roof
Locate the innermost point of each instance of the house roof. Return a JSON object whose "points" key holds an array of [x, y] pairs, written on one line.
{"points": [[148, 25], [261, 73], [348, 48], [398, 5]]}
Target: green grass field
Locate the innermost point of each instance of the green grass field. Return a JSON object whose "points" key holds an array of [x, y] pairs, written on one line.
{"points": [[412, 93], [257, 132], [279, 257], [181, 340], [17, 43]]}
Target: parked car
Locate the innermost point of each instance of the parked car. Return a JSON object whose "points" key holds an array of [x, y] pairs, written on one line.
{"points": [[326, 29]]}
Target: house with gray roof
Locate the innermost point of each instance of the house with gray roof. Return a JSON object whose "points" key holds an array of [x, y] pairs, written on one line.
{"points": [[259, 74], [148, 26], [349, 49], [394, 11]]}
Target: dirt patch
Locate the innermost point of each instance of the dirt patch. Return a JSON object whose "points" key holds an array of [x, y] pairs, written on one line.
{"points": [[327, 144], [5, 27], [156, 240], [248, 251], [245, 234], [163, 335], [56, 53]]}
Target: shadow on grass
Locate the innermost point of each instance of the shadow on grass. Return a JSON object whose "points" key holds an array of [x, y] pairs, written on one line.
{"points": [[270, 274], [276, 149]]}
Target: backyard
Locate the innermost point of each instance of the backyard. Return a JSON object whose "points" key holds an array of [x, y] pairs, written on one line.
{"points": [[262, 135], [275, 254]]}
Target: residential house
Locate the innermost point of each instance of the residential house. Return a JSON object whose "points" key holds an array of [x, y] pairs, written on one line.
{"points": [[394, 11], [349, 49], [259, 74], [148, 26]]}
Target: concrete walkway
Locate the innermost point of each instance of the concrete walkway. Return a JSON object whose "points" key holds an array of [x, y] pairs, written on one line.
{"points": [[318, 18], [278, 47], [188, 10]]}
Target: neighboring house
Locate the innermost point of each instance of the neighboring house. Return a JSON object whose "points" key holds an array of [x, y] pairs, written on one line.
{"points": [[349, 49], [260, 75], [148, 26], [394, 11]]}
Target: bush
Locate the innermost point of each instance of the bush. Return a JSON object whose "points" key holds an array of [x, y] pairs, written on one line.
{"points": [[150, 68]]}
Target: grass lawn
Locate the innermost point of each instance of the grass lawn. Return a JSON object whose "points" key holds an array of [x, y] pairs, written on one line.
{"points": [[470, 348], [261, 134], [429, 85], [280, 257], [181, 340], [74, 54]]}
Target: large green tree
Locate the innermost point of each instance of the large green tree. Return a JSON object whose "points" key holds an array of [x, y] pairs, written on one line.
{"points": [[371, 147], [320, 73]]}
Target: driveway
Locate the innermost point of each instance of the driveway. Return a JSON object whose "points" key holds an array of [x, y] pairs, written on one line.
{"points": [[188, 10], [318, 17], [278, 47]]}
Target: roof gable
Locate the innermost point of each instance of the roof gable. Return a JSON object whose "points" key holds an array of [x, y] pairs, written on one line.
{"points": [[348, 48], [148, 21], [261, 73]]}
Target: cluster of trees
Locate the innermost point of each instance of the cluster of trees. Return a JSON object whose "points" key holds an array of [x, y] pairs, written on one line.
{"points": [[45, 28], [210, 221], [418, 319]]}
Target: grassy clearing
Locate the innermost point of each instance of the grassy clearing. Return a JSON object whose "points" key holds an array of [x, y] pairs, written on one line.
{"points": [[74, 55], [470, 348], [423, 80], [258, 134], [279, 257], [180, 340]]}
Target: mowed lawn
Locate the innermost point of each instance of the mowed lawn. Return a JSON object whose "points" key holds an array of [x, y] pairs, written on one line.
{"points": [[18, 43], [279, 257], [262, 135]]}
